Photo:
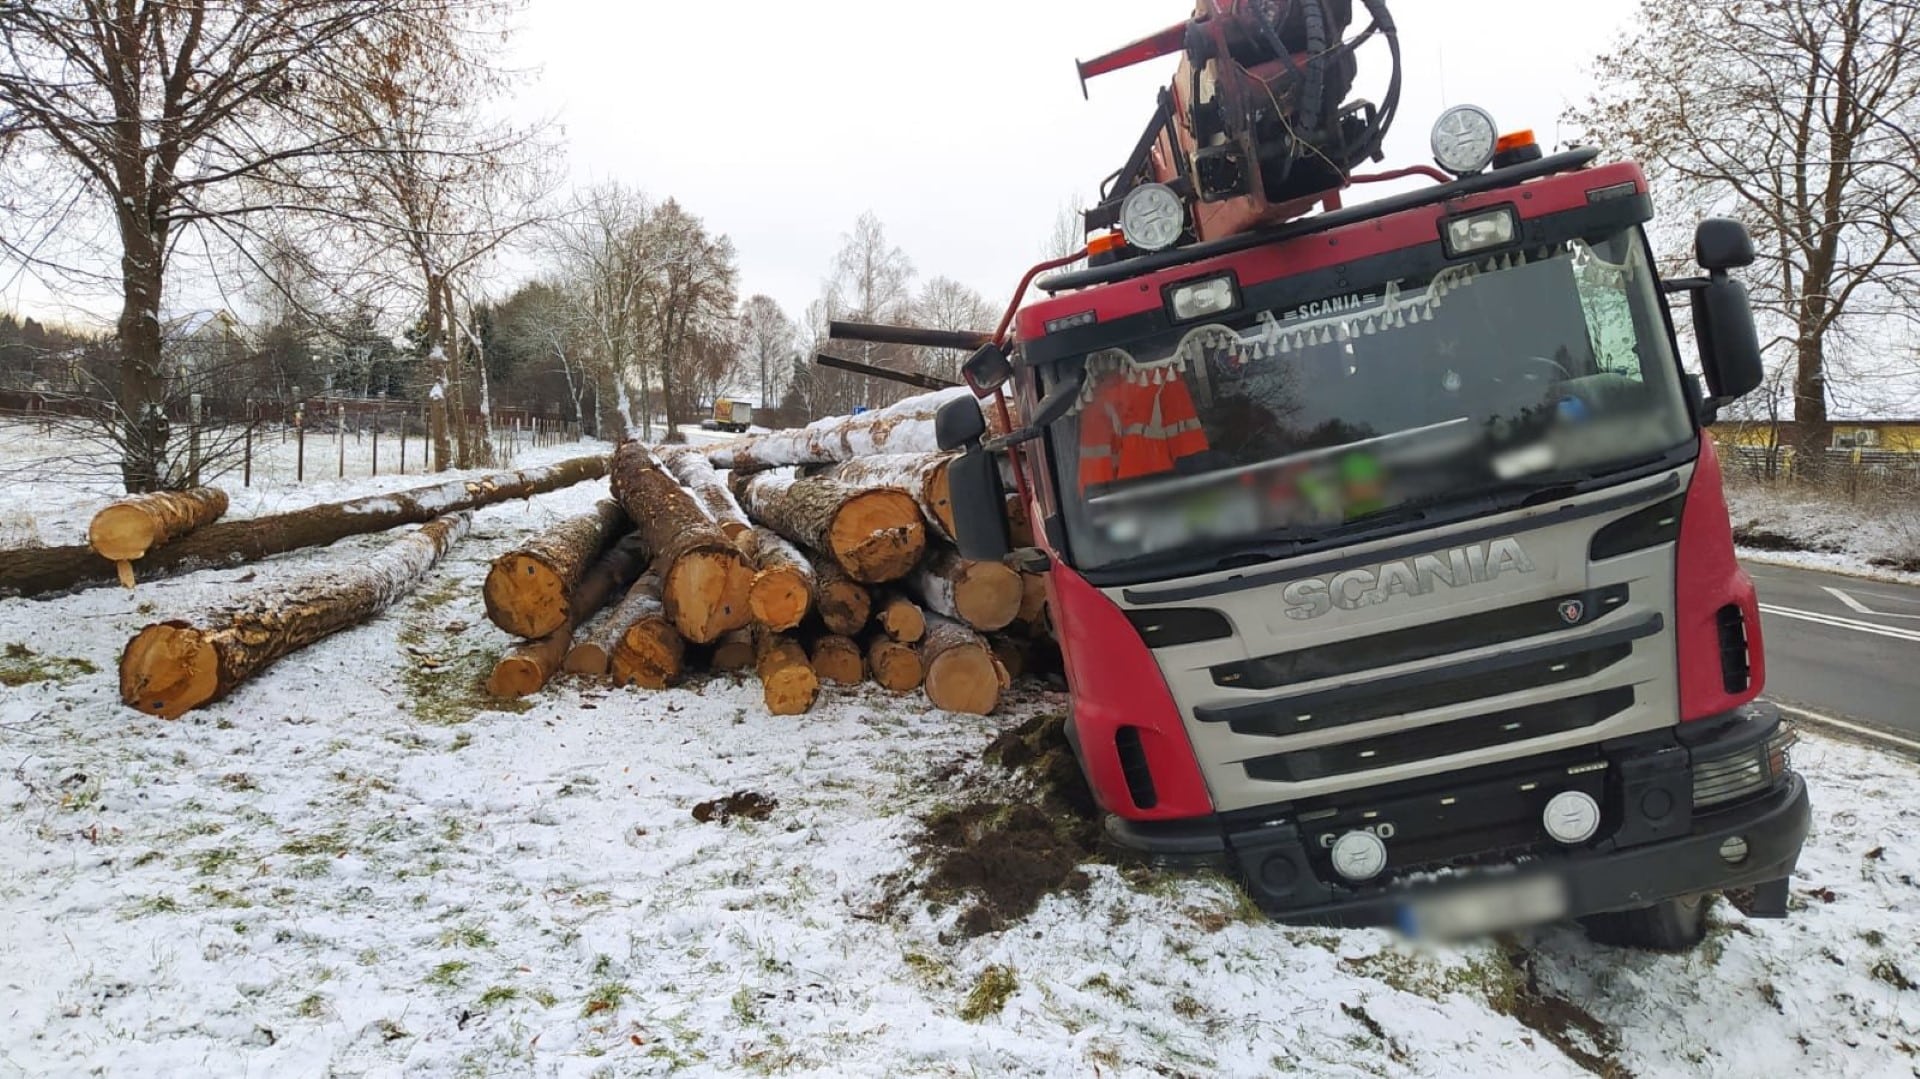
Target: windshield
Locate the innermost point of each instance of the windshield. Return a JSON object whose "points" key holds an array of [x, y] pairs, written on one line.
{"points": [[1375, 404]]}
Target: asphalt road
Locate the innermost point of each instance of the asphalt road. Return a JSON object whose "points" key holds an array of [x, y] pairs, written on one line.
{"points": [[1842, 648]]}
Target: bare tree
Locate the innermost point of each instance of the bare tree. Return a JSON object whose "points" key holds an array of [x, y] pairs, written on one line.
{"points": [[689, 293], [871, 281], [946, 304], [766, 342], [1802, 118], [596, 242], [165, 117]]}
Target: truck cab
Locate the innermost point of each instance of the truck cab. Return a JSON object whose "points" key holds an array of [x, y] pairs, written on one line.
{"points": [[1390, 563]]}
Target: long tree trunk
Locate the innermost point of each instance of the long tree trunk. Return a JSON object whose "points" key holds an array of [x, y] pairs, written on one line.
{"points": [[173, 667], [691, 469], [875, 535], [962, 675], [707, 581], [783, 583], [984, 595], [437, 367], [228, 543], [125, 531], [786, 678], [922, 475], [903, 427], [143, 429], [529, 590]]}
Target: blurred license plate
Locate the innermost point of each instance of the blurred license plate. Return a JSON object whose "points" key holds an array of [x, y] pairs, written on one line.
{"points": [[1477, 909]]}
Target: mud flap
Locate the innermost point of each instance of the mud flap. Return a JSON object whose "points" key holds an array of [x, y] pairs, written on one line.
{"points": [[1769, 899]]}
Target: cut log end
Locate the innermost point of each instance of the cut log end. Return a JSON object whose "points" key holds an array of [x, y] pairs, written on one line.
{"points": [[896, 667], [877, 535], [964, 680], [837, 659], [779, 598], [903, 620], [733, 652], [525, 597], [987, 595], [708, 594], [786, 678], [169, 670], [529, 666], [844, 606], [121, 533]]}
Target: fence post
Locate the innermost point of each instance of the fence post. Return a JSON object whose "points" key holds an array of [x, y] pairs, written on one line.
{"points": [[246, 456], [340, 436], [403, 443], [300, 444], [376, 446]]}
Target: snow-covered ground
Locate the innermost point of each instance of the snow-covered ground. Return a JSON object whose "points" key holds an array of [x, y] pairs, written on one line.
{"points": [[1877, 535], [357, 865]]}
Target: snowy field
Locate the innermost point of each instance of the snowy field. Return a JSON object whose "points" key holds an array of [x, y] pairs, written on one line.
{"points": [[1877, 535], [357, 865]]}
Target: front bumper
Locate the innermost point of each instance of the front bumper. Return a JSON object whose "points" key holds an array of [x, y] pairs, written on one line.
{"points": [[1634, 867]]}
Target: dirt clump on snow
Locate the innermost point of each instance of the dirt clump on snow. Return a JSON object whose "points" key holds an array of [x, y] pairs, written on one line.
{"points": [[745, 805], [1002, 855]]}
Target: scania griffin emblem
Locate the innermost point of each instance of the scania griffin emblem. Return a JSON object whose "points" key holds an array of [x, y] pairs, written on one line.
{"points": [[1572, 611]]}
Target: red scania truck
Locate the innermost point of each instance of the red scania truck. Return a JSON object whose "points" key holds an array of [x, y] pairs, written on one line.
{"points": [[1386, 549]]}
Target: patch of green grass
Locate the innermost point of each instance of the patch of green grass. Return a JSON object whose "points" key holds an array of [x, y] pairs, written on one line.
{"points": [[926, 968], [1100, 983], [148, 858], [604, 997], [239, 781], [1886, 970], [465, 936], [313, 843], [447, 975], [1188, 1008], [209, 862], [20, 666], [989, 994], [543, 997], [311, 1006], [461, 740], [745, 1006], [155, 904], [497, 995], [222, 897], [368, 957], [310, 869]]}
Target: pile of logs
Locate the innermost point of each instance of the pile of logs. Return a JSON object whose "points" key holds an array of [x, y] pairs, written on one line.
{"points": [[806, 557]]}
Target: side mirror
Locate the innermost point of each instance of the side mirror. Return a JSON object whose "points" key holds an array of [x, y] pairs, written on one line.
{"points": [[1721, 244], [988, 368], [979, 506], [959, 424], [1722, 317]]}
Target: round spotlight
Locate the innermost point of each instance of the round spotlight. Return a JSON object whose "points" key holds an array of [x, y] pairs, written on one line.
{"points": [[1465, 139], [1572, 817], [1359, 855], [1733, 849], [1152, 217]]}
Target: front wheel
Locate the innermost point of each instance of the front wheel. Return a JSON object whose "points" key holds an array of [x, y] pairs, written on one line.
{"points": [[1671, 925]]}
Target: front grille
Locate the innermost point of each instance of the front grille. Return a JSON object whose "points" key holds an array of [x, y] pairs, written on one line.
{"points": [[1442, 739], [1483, 630], [1419, 691]]}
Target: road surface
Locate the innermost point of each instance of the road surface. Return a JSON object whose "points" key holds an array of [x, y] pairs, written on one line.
{"points": [[1842, 647]]}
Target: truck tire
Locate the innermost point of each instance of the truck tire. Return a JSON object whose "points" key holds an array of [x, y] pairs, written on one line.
{"points": [[1672, 925]]}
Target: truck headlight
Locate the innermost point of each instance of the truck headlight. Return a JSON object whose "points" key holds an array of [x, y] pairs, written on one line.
{"points": [[1203, 298], [1749, 771], [1152, 217], [1481, 231]]}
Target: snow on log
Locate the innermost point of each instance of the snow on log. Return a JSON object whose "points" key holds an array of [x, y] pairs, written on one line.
{"points": [[690, 468], [901, 618], [896, 666], [984, 595], [529, 665], [529, 590], [171, 668], [876, 534], [786, 678], [922, 475], [649, 650], [903, 427], [706, 580], [783, 584], [227, 543], [844, 604], [126, 530], [962, 675], [838, 659]]}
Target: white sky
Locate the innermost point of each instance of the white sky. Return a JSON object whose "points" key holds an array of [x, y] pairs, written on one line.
{"points": [[961, 124]]}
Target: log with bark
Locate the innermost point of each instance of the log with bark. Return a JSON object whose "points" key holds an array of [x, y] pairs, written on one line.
{"points": [[530, 665], [838, 659], [903, 427], [529, 590], [895, 666], [844, 603], [691, 470], [227, 543], [875, 534], [1033, 600], [962, 674], [901, 618], [783, 583], [125, 531], [984, 595], [1011, 652], [648, 649], [922, 475], [786, 678], [591, 652], [734, 652], [705, 580], [171, 668]]}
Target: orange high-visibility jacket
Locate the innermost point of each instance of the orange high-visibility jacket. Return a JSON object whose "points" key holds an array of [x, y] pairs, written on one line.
{"points": [[1131, 430]]}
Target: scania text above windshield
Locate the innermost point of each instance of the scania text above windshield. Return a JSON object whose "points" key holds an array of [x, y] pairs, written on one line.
{"points": [[1386, 402]]}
